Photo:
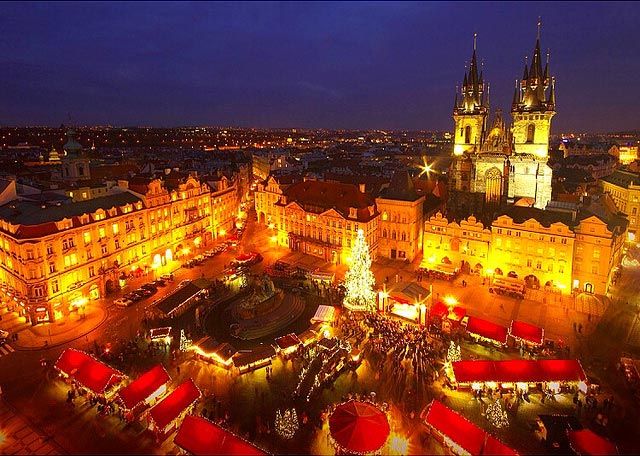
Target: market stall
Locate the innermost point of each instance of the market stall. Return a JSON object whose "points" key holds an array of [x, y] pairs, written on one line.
{"points": [[248, 361], [446, 317], [287, 344], [359, 427], [160, 334], [324, 314], [144, 391], [458, 434], [487, 331], [83, 369], [208, 349], [519, 373], [526, 334], [167, 414], [199, 436], [585, 441]]}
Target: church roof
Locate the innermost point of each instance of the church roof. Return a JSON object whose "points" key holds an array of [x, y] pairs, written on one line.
{"points": [[401, 187]]}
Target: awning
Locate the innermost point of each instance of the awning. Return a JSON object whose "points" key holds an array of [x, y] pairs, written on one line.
{"points": [[586, 441], [88, 371], [359, 427], [399, 299], [199, 436], [324, 314], [519, 370], [487, 329], [174, 404], [288, 341], [462, 432], [528, 333], [144, 386]]}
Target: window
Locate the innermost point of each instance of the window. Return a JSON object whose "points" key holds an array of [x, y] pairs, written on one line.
{"points": [[561, 268], [89, 255], [529, 263], [594, 269], [87, 237], [467, 134], [552, 252], [539, 265], [102, 232], [52, 268], [531, 132], [29, 254], [49, 249], [104, 250], [564, 241], [54, 287], [92, 271], [596, 254], [117, 244]]}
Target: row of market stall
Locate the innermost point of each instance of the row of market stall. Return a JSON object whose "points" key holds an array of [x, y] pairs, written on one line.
{"points": [[147, 397]]}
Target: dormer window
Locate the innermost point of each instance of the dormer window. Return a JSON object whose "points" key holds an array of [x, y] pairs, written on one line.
{"points": [[353, 212]]}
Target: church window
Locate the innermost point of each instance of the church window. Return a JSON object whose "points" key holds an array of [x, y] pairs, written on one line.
{"points": [[467, 134], [531, 131]]}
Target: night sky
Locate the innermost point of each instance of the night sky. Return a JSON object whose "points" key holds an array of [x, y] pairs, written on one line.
{"points": [[308, 65]]}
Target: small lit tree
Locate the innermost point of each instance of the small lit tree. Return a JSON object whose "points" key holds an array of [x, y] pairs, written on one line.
{"points": [[184, 342], [359, 280], [496, 416], [453, 353], [286, 424]]}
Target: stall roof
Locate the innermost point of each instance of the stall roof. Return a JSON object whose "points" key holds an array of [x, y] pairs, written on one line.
{"points": [[324, 314], [585, 441], [527, 332], [464, 433], [170, 303], [87, 371], [457, 428], [487, 329], [288, 341], [159, 333], [144, 386], [199, 436], [244, 359], [171, 406], [519, 370]]}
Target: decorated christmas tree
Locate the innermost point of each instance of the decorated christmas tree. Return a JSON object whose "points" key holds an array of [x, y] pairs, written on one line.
{"points": [[496, 415], [359, 280], [286, 423], [453, 353], [184, 342]]}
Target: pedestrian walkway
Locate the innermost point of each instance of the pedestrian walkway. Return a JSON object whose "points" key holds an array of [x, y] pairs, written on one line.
{"points": [[17, 436], [6, 350]]}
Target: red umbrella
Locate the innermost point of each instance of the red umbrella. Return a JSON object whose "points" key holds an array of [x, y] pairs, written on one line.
{"points": [[359, 427]]}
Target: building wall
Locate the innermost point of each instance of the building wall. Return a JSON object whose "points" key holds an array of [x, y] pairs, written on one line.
{"points": [[542, 123], [400, 228], [476, 123], [531, 249], [627, 200], [467, 241]]}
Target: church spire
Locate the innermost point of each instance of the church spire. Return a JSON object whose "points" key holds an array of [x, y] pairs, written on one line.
{"points": [[516, 96]]}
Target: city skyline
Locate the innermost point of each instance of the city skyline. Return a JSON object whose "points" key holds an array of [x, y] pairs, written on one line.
{"points": [[307, 65]]}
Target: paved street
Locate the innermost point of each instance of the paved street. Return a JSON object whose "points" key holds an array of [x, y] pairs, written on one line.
{"points": [[246, 404]]}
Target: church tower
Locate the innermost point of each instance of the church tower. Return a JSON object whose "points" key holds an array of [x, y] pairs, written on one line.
{"points": [[470, 111], [533, 107]]}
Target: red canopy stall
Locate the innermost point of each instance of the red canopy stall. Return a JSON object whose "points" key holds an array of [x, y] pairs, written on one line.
{"points": [[586, 441], [526, 333], [90, 373], [165, 415], [145, 390], [199, 436], [487, 330], [460, 435], [359, 427], [518, 371]]}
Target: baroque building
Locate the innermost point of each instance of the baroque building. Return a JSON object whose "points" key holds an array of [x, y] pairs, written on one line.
{"points": [[495, 166], [55, 257]]}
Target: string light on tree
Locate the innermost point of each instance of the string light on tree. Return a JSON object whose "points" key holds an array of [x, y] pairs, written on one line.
{"points": [[359, 280], [286, 423], [453, 353], [184, 342], [496, 416]]}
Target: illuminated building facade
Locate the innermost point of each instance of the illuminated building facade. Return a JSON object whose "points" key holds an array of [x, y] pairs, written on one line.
{"points": [[268, 193], [496, 166], [323, 218], [624, 189], [401, 219], [54, 258]]}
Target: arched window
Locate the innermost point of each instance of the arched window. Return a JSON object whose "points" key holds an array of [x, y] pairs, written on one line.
{"points": [[384, 233], [393, 235], [531, 132], [404, 236], [467, 134]]}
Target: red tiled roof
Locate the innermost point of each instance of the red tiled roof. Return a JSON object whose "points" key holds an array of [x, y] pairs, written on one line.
{"points": [[487, 329], [144, 386], [175, 403], [199, 436], [319, 196]]}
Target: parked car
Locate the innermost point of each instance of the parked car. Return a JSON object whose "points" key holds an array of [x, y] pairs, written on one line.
{"points": [[151, 287], [159, 283], [167, 277], [123, 302], [144, 292], [133, 296], [4, 335]]}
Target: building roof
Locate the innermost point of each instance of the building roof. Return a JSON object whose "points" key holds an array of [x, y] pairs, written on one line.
{"points": [[199, 436], [88, 371], [527, 332], [622, 178], [174, 404], [400, 188], [171, 302], [519, 370], [144, 386], [487, 329], [318, 196], [520, 214], [20, 212]]}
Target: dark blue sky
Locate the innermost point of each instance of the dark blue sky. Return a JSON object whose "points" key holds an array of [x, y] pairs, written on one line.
{"points": [[329, 65]]}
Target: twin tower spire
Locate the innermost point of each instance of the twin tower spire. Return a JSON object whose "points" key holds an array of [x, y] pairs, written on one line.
{"points": [[534, 92]]}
